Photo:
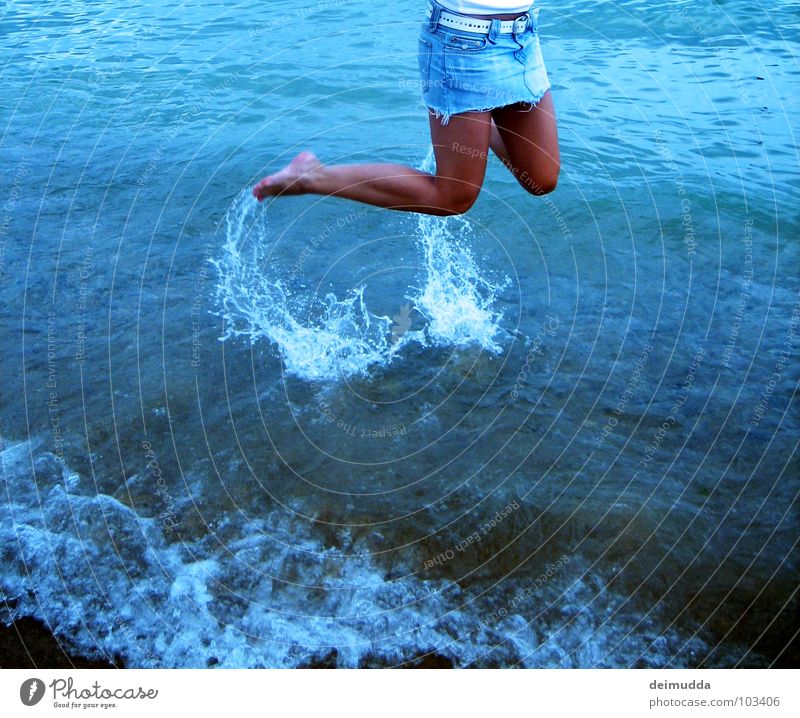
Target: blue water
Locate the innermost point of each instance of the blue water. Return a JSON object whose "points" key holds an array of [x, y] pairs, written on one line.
{"points": [[557, 431]]}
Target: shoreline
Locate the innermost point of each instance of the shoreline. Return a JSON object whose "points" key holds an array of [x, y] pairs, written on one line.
{"points": [[29, 643]]}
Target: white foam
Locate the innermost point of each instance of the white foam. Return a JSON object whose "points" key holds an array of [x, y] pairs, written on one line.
{"points": [[272, 594]]}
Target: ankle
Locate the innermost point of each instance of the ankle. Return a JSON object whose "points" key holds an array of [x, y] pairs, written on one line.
{"points": [[312, 181]]}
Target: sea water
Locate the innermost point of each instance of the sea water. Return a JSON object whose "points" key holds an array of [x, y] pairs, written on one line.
{"points": [[556, 431]]}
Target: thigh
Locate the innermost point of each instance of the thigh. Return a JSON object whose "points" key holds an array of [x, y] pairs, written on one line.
{"points": [[531, 139], [461, 147]]}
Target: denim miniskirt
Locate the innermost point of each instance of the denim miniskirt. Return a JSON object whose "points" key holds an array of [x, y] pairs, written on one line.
{"points": [[464, 71]]}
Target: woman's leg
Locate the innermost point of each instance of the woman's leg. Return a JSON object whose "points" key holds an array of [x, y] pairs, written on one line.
{"points": [[527, 143], [498, 146], [461, 148]]}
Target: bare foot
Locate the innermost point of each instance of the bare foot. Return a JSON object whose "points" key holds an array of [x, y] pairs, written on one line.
{"points": [[292, 179]]}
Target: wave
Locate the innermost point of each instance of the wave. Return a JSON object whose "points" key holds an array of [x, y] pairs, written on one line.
{"points": [[273, 592]]}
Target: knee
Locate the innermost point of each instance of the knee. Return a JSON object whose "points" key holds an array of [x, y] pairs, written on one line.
{"points": [[542, 183], [458, 202], [546, 186]]}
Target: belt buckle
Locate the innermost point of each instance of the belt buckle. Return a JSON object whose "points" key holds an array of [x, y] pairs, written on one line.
{"points": [[522, 23]]}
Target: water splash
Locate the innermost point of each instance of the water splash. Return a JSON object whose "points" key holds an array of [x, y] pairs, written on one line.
{"points": [[319, 339], [456, 297], [329, 338]]}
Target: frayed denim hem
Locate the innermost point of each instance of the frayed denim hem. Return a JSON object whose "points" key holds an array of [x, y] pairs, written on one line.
{"points": [[530, 100]]}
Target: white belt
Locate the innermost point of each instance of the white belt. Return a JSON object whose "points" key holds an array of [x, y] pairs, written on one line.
{"points": [[474, 24]]}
